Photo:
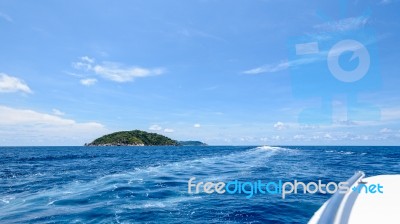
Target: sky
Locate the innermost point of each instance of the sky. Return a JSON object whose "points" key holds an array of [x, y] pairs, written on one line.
{"points": [[259, 72]]}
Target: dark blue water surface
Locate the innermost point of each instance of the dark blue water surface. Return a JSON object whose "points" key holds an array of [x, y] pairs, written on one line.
{"points": [[150, 184]]}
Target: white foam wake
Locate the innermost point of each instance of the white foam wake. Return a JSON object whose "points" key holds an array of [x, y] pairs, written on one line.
{"points": [[152, 180], [272, 148]]}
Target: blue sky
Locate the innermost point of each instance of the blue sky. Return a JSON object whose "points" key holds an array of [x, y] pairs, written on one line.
{"points": [[222, 72]]}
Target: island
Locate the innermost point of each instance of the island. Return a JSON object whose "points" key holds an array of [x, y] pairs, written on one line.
{"points": [[139, 138], [133, 138], [192, 143]]}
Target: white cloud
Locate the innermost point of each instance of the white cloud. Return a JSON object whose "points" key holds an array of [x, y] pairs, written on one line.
{"points": [[346, 24], [246, 139], [85, 63], [81, 65], [277, 138], [283, 65], [10, 84], [168, 130], [118, 73], [87, 59], [197, 125], [11, 116], [299, 137], [58, 112], [345, 123], [264, 139], [6, 17], [271, 68], [386, 130], [279, 125], [88, 82], [351, 23], [268, 68], [155, 127], [115, 71], [74, 74], [29, 127], [390, 114]]}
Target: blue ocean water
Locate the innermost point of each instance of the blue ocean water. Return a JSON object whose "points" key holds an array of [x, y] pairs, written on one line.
{"points": [[149, 184]]}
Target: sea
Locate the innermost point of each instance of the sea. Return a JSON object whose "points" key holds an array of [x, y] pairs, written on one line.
{"points": [[150, 184]]}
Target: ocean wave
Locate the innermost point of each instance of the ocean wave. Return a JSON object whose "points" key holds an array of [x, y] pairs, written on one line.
{"points": [[162, 203], [340, 152], [58, 157], [152, 187], [345, 153], [272, 148], [7, 199], [145, 186], [148, 183]]}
